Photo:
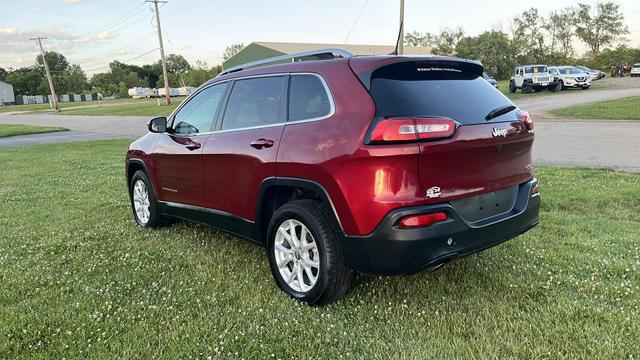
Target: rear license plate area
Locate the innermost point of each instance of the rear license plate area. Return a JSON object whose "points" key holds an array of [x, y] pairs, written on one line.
{"points": [[484, 206]]}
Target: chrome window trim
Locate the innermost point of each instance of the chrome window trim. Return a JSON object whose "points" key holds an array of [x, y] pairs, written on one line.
{"points": [[284, 123]]}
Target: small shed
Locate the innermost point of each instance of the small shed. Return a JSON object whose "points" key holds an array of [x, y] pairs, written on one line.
{"points": [[6, 93]]}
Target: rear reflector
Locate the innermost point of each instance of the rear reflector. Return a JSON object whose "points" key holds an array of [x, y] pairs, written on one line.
{"points": [[526, 119], [415, 221], [411, 129]]}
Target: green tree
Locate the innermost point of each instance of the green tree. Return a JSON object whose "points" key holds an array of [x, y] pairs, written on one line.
{"points": [[56, 61], [200, 73], [415, 38], [560, 25], [447, 40], [602, 27], [528, 38], [25, 80], [492, 48], [75, 80], [3, 73], [232, 50]]}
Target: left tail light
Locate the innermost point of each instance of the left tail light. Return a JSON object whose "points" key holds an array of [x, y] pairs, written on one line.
{"points": [[388, 130]]}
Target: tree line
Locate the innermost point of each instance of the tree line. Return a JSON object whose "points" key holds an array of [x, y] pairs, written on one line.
{"points": [[537, 38], [71, 79]]}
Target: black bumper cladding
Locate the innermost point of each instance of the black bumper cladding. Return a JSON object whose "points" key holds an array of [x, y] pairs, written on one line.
{"points": [[390, 250]]}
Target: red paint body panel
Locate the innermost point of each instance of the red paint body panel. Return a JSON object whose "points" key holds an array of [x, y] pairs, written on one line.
{"points": [[233, 170]]}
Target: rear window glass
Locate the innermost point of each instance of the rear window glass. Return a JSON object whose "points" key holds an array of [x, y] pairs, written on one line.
{"points": [[308, 98], [636, 65], [457, 94], [535, 69]]}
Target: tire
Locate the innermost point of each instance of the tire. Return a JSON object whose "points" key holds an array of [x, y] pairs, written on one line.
{"points": [[332, 274], [555, 88], [152, 218], [526, 88], [585, 87], [512, 87]]}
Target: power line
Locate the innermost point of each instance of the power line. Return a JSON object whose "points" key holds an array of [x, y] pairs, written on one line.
{"points": [[356, 21], [129, 14], [123, 62]]}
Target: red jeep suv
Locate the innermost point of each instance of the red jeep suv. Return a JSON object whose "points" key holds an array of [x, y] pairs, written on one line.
{"points": [[339, 163]]}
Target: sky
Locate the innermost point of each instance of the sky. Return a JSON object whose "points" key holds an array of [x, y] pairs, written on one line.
{"points": [[93, 33]]}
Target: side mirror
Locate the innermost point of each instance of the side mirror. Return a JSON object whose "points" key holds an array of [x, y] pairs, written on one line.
{"points": [[157, 125]]}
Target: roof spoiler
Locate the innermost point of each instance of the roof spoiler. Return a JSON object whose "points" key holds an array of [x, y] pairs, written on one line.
{"points": [[322, 54]]}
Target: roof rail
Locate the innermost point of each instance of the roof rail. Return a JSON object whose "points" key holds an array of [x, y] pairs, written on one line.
{"points": [[328, 53]]}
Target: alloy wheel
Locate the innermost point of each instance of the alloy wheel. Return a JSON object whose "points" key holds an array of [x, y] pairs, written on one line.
{"points": [[296, 254], [141, 202]]}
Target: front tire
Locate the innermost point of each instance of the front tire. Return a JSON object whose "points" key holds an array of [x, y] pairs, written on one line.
{"points": [[305, 254], [144, 203], [512, 87]]}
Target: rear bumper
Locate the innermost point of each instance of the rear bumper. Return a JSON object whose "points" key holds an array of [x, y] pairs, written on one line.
{"points": [[389, 250]]}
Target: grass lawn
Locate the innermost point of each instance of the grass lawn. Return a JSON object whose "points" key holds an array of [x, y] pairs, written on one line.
{"points": [[79, 279], [621, 109], [61, 105], [14, 129], [143, 107]]}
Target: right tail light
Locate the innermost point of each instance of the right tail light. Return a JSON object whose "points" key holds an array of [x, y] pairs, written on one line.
{"points": [[526, 119]]}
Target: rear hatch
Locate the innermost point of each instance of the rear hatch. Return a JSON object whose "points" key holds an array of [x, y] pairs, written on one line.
{"points": [[483, 154]]}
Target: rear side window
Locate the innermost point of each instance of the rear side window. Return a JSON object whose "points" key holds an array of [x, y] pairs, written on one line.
{"points": [[254, 102], [308, 98], [459, 93]]}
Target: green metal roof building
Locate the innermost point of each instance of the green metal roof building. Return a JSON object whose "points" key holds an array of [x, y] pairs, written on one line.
{"points": [[263, 50]]}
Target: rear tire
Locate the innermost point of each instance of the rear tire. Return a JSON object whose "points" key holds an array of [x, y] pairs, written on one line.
{"points": [[305, 254], [512, 87], [144, 204], [526, 89]]}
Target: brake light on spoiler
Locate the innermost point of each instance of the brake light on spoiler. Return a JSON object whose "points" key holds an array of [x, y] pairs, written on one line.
{"points": [[411, 129]]}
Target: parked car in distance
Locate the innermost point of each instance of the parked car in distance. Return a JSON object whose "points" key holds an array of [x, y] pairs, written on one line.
{"points": [[530, 78], [490, 79], [569, 77], [635, 70], [373, 164], [595, 74]]}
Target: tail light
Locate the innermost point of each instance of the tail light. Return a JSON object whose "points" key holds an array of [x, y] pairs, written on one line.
{"points": [[422, 220], [411, 129], [526, 119]]}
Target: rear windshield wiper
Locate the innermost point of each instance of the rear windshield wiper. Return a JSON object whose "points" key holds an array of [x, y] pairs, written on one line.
{"points": [[499, 111]]}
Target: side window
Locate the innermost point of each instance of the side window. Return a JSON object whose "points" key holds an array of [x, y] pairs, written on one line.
{"points": [[254, 102], [198, 114], [308, 98]]}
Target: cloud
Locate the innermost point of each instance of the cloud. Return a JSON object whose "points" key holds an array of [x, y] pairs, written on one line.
{"points": [[75, 2]]}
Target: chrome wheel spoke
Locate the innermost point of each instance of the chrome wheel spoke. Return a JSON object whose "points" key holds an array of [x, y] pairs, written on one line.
{"points": [[296, 255], [141, 203]]}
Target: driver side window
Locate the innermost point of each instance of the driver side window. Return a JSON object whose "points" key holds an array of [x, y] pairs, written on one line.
{"points": [[198, 114]]}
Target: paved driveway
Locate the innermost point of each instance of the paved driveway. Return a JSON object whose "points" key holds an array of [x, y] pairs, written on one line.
{"points": [[611, 144]]}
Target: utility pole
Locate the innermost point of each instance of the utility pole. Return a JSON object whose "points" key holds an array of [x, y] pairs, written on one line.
{"points": [[401, 43], [164, 64], [54, 98]]}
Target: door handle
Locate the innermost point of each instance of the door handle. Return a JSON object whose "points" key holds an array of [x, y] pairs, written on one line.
{"points": [[262, 143], [193, 146]]}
